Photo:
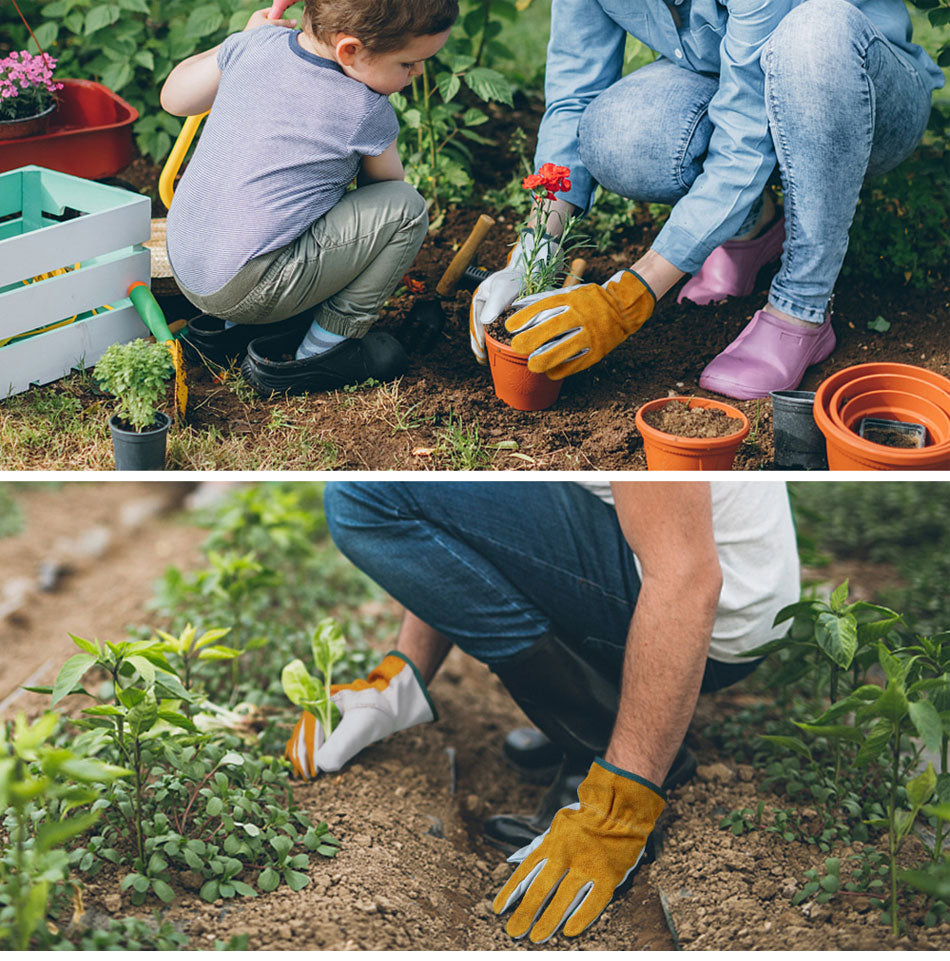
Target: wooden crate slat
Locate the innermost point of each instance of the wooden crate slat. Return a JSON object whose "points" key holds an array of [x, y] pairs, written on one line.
{"points": [[47, 357], [105, 281]]}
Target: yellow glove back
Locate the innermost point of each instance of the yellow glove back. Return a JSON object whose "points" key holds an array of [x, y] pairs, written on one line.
{"points": [[571, 330], [586, 854]]}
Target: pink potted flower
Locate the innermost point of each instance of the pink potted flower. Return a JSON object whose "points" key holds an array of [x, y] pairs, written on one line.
{"points": [[27, 93]]}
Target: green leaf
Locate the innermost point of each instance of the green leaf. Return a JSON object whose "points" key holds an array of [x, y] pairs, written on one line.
{"points": [[295, 880], [837, 636], [140, 883], [88, 646], [328, 644], [268, 879], [219, 652], [927, 721], [244, 889], [876, 741], [209, 890], [281, 844], [921, 788], [839, 597], [892, 704], [102, 15], [448, 86], [214, 807], [104, 710], [192, 859], [792, 743], [163, 890], [327, 851], [834, 731], [145, 668], [299, 685], [204, 20], [489, 84], [892, 665], [53, 834], [879, 324], [70, 674]]}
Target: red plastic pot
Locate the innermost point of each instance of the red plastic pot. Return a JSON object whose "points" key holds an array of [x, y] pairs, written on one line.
{"points": [[672, 452], [89, 135], [517, 386], [848, 451]]}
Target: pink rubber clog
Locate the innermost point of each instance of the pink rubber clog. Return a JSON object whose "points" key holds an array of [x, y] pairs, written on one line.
{"points": [[730, 270], [770, 354]]}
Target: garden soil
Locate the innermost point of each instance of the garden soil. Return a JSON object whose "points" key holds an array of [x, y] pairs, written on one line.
{"points": [[592, 424], [413, 871]]}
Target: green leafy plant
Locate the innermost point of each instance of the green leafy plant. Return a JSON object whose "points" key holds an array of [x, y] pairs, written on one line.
{"points": [[328, 646], [137, 373], [744, 820], [41, 785]]}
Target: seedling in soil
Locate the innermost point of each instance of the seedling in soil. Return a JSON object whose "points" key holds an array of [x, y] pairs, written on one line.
{"points": [[739, 822], [328, 646]]}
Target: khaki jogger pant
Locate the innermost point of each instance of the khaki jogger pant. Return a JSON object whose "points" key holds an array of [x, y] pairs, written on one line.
{"points": [[343, 267]]}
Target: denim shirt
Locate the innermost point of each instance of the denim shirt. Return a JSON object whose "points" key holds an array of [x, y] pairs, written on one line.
{"points": [[724, 39]]}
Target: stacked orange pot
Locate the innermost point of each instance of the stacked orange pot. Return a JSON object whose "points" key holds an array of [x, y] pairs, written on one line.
{"points": [[890, 391]]}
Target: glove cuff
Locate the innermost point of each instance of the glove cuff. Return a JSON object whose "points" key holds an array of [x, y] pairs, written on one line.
{"points": [[419, 681], [656, 789]]}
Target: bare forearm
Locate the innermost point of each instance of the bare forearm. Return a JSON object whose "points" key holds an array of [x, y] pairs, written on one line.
{"points": [[423, 645], [662, 672], [191, 87]]}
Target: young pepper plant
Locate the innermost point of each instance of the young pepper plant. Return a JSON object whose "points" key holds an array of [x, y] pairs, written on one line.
{"points": [[328, 646], [883, 718]]}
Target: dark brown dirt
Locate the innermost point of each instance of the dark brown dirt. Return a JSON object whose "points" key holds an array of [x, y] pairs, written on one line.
{"points": [[889, 437], [678, 418], [592, 424], [413, 872]]}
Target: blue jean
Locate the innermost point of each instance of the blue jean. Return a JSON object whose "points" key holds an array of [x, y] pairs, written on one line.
{"points": [[496, 566], [842, 105]]}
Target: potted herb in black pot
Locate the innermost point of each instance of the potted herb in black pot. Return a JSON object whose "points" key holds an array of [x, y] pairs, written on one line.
{"points": [[137, 373]]}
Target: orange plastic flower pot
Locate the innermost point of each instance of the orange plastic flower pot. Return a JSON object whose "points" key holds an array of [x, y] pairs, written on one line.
{"points": [[848, 451], [671, 452], [896, 405], [517, 386]]}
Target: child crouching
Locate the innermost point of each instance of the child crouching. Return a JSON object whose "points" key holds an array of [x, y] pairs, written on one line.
{"points": [[262, 229]]}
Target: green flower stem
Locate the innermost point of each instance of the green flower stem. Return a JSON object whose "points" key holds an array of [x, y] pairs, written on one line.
{"points": [[892, 826]]}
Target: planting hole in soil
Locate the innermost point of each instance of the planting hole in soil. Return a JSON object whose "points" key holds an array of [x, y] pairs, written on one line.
{"points": [[682, 420]]}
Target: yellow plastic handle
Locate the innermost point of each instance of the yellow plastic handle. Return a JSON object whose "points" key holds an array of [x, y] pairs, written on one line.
{"points": [[166, 181]]}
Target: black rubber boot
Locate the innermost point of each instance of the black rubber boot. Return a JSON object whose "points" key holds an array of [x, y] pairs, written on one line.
{"points": [[533, 755], [574, 704]]}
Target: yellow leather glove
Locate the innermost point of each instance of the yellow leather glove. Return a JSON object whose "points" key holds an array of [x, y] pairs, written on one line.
{"points": [[589, 850], [568, 331]]}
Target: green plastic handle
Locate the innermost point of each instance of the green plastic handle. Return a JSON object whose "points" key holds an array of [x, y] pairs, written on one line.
{"points": [[149, 311]]}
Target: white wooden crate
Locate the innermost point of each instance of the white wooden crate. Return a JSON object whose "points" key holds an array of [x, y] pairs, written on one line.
{"points": [[105, 238]]}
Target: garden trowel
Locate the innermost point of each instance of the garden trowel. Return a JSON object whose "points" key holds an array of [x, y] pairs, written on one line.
{"points": [[426, 318]]}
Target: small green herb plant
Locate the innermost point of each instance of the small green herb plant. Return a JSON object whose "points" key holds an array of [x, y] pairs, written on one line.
{"points": [[328, 646], [137, 373]]}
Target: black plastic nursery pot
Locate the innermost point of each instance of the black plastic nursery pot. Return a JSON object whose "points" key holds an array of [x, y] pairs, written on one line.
{"points": [[140, 450], [799, 444]]}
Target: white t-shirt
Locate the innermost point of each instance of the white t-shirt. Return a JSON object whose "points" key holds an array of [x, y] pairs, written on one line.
{"points": [[755, 538]]}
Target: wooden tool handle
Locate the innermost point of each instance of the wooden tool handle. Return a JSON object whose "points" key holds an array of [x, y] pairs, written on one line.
{"points": [[576, 273], [464, 256]]}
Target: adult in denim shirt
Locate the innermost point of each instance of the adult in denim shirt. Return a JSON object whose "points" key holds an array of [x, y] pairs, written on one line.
{"points": [[832, 91]]}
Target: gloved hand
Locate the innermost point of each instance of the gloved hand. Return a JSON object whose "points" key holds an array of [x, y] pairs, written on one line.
{"points": [[589, 850], [495, 294], [391, 698], [570, 330]]}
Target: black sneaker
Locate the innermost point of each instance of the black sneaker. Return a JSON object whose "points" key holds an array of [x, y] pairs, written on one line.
{"points": [[205, 337], [269, 366]]}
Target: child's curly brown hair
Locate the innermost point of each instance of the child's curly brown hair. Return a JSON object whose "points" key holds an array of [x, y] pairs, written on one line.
{"points": [[380, 25]]}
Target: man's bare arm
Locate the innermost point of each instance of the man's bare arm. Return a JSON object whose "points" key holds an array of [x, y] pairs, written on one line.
{"points": [[669, 527]]}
